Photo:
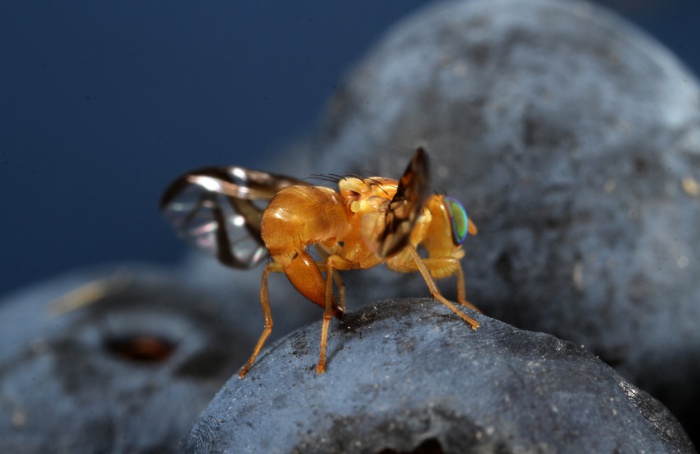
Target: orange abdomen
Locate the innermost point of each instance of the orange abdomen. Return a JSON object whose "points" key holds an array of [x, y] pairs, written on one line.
{"points": [[297, 217], [302, 215]]}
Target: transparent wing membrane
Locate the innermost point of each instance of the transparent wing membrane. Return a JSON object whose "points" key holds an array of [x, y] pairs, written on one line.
{"points": [[219, 210]]}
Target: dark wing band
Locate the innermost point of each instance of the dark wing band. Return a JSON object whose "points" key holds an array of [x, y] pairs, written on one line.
{"points": [[406, 206], [219, 210]]}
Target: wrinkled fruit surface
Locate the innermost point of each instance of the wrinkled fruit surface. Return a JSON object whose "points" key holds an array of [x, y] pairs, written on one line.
{"points": [[128, 372], [405, 375], [573, 141]]}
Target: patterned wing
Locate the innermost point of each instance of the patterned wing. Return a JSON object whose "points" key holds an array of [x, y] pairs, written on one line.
{"points": [[219, 210], [406, 206]]}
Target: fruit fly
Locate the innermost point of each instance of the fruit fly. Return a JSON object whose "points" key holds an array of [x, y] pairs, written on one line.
{"points": [[365, 222]]}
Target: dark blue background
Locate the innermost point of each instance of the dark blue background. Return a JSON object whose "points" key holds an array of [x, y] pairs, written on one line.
{"points": [[102, 103]]}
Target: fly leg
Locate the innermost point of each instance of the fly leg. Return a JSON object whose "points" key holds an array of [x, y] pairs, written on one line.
{"points": [[267, 314], [421, 267], [441, 267], [461, 291], [336, 277], [333, 262], [338, 283]]}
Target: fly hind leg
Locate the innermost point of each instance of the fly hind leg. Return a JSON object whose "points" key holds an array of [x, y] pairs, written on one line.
{"points": [[267, 314]]}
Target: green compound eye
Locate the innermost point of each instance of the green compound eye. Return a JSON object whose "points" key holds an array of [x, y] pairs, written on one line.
{"points": [[459, 219]]}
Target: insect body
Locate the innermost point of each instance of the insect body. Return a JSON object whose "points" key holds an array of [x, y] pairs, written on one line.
{"points": [[367, 221]]}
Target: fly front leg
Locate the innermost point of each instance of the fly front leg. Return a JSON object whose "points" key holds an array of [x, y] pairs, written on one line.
{"points": [[461, 291], [438, 267], [267, 314], [333, 262], [441, 267], [421, 267]]}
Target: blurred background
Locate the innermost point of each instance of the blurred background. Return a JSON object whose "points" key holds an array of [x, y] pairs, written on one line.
{"points": [[104, 102]]}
